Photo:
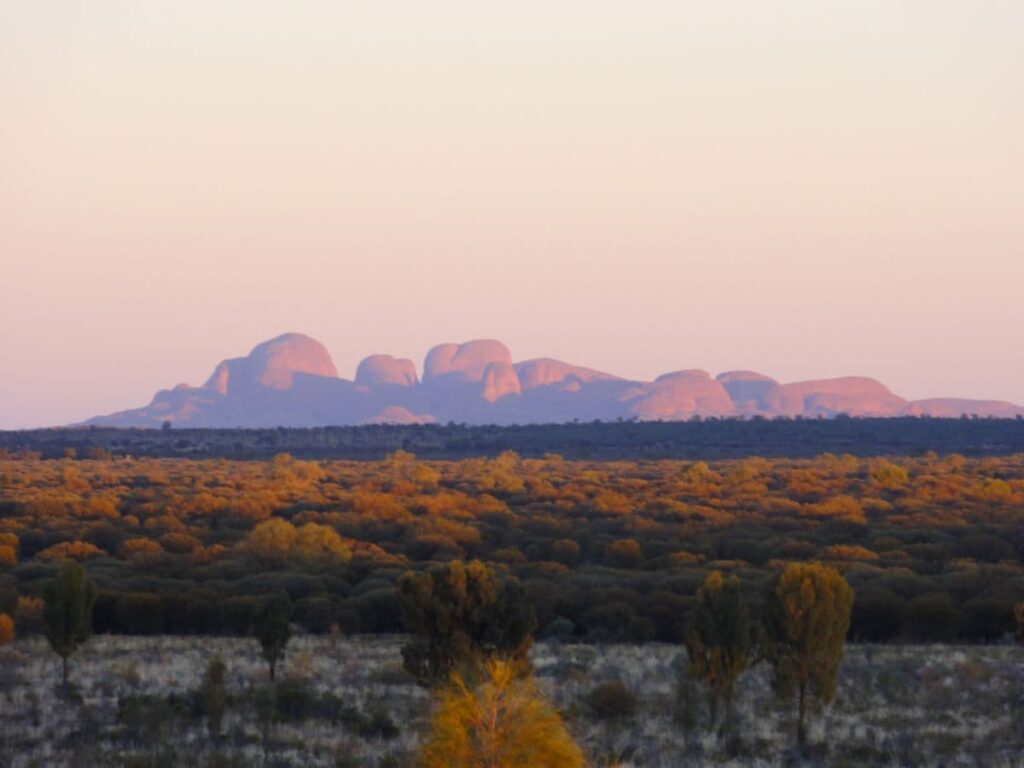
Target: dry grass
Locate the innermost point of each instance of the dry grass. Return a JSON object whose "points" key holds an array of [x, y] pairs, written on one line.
{"points": [[131, 704]]}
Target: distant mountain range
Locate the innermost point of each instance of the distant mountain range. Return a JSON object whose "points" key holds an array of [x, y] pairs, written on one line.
{"points": [[291, 381]]}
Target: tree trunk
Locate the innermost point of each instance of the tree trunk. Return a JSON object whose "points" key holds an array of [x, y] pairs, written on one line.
{"points": [[712, 710], [267, 718], [801, 727], [727, 723], [64, 669], [272, 665]]}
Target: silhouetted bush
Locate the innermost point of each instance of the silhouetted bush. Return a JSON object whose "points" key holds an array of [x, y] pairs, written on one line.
{"points": [[611, 701]]}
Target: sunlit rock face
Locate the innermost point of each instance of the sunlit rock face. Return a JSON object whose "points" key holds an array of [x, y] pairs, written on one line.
{"points": [[852, 395], [292, 381], [396, 414], [464, 362], [379, 370], [500, 380], [683, 395], [545, 372], [274, 364]]}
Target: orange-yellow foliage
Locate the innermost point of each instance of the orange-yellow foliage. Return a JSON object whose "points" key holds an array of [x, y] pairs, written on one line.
{"points": [[273, 539], [425, 476], [839, 507], [6, 629], [179, 543], [204, 555], [849, 552], [887, 475], [99, 506], [71, 550], [73, 479], [320, 542], [504, 723], [687, 558], [8, 539], [141, 547], [277, 540]]}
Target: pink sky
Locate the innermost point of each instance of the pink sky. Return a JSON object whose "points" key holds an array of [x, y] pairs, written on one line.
{"points": [[806, 188]]}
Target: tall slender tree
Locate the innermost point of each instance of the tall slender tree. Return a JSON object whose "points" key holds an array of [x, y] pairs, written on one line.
{"points": [[67, 612], [463, 614], [271, 625], [214, 692], [720, 642], [809, 609]]}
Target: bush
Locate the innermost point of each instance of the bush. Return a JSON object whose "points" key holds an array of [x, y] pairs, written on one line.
{"points": [[139, 614], [931, 617], [145, 717], [559, 629], [239, 613], [378, 725], [877, 614], [294, 701], [625, 553], [611, 701], [314, 614]]}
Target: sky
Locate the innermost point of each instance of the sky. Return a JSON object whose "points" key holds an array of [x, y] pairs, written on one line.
{"points": [[807, 189]]}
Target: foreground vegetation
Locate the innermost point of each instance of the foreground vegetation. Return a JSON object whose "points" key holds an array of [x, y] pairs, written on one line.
{"points": [[348, 702], [756, 571], [605, 551]]}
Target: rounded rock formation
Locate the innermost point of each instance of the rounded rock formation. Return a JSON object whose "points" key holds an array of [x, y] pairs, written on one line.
{"points": [[747, 388], [852, 395], [681, 395], [952, 407], [464, 362], [396, 414], [273, 364], [544, 372], [377, 370]]}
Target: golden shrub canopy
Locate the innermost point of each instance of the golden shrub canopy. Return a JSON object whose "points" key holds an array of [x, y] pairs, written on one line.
{"points": [[6, 629], [809, 615], [504, 723]]}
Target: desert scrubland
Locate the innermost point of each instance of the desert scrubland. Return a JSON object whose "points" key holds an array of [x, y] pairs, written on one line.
{"points": [[607, 551], [647, 586], [347, 702]]}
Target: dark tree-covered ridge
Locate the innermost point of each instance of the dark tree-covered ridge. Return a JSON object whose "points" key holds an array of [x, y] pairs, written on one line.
{"points": [[706, 439]]}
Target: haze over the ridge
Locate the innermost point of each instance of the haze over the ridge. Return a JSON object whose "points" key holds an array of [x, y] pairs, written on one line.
{"points": [[811, 191]]}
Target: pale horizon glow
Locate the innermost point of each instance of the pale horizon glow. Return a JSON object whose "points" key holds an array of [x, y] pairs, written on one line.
{"points": [[808, 189]]}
